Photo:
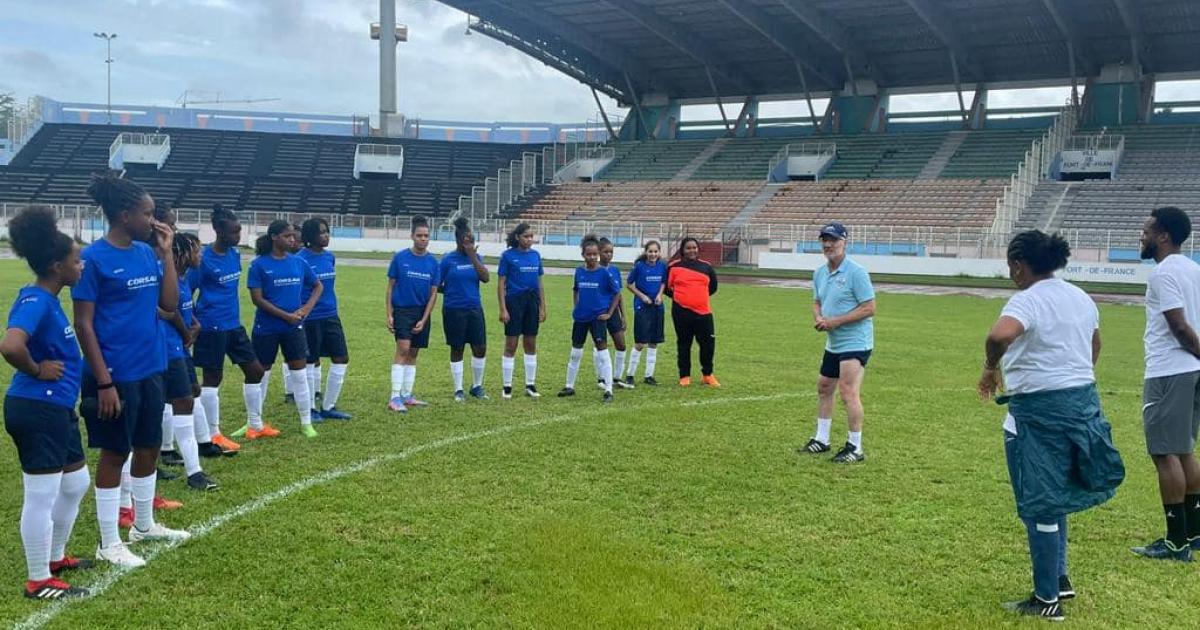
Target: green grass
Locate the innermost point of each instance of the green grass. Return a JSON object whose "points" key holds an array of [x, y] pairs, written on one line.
{"points": [[671, 508]]}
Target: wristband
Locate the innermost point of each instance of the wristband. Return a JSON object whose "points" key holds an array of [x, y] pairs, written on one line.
{"points": [[108, 385]]}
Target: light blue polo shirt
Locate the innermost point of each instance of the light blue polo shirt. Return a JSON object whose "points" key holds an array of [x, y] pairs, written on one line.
{"points": [[840, 292]]}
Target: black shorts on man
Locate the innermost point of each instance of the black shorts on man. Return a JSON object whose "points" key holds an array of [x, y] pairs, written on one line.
{"points": [[831, 363], [1171, 413]]}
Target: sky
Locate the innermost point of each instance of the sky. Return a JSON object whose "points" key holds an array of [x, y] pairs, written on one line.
{"points": [[315, 56]]}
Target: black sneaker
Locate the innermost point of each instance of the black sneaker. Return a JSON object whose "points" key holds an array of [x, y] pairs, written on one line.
{"points": [[849, 455], [815, 447], [52, 588], [208, 449], [1065, 590], [507, 393], [625, 383], [166, 475], [171, 458], [649, 380], [201, 481], [608, 397], [1194, 543], [1035, 607], [566, 391], [532, 392], [1162, 549]]}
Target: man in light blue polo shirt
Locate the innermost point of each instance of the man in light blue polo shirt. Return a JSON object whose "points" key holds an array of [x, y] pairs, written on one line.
{"points": [[843, 307]]}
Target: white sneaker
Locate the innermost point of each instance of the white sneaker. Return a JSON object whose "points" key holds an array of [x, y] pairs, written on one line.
{"points": [[157, 532], [120, 555]]}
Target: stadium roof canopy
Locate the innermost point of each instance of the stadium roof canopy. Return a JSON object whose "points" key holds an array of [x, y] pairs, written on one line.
{"points": [[698, 49]]}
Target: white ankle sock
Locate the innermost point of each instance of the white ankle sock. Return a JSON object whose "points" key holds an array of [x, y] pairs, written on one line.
{"points": [[210, 398], [573, 366], [530, 369], [635, 356], [606, 375], [456, 374], [299, 381], [397, 380], [168, 431], [618, 364], [200, 425], [410, 380], [265, 384], [66, 508], [188, 448], [478, 368], [651, 360], [108, 509], [856, 439], [823, 426], [36, 523], [333, 389], [143, 501], [252, 395], [314, 379], [127, 484], [507, 367]]}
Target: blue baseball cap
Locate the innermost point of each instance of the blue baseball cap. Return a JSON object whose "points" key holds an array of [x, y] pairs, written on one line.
{"points": [[836, 230]]}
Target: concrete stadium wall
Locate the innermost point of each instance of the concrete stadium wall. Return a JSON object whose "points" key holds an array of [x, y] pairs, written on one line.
{"points": [[1125, 273]]}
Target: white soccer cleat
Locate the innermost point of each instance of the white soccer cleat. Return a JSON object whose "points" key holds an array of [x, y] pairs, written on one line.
{"points": [[158, 532], [120, 555]]}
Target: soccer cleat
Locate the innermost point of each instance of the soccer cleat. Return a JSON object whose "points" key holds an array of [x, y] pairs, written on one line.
{"points": [[608, 397], [411, 401], [532, 391], [628, 384], [208, 449], [1065, 590], [397, 404], [125, 518], [507, 393], [267, 431], [120, 555], [710, 380], [849, 455], [1163, 549], [52, 588], [649, 380], [600, 383], [566, 391], [70, 563], [1035, 607], [239, 433], [158, 531], [815, 447], [308, 431], [289, 399], [201, 481], [460, 396], [315, 416], [165, 475], [478, 393], [161, 503], [1194, 543], [225, 444], [335, 414], [171, 458], [685, 381]]}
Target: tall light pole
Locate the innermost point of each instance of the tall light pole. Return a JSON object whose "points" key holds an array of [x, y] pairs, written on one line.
{"points": [[108, 61]]}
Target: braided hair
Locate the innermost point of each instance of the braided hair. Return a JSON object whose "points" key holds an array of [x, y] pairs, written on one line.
{"points": [[114, 194], [35, 237], [1044, 253]]}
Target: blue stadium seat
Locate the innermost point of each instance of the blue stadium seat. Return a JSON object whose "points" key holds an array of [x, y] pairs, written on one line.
{"points": [[346, 232]]}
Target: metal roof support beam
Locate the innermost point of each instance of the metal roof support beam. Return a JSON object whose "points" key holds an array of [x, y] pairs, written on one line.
{"points": [[944, 30], [812, 113], [834, 34], [604, 115], [517, 41], [717, 95], [1133, 24], [637, 106], [962, 106], [684, 41], [1073, 38], [769, 28]]}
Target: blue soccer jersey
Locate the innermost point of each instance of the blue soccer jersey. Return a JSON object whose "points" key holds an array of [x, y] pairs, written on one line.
{"points": [[415, 277], [281, 281], [648, 279], [520, 270], [175, 346], [51, 338], [217, 280], [324, 265], [596, 289], [460, 282]]}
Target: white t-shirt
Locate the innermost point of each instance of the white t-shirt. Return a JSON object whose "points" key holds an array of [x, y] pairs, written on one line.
{"points": [[1174, 283]]}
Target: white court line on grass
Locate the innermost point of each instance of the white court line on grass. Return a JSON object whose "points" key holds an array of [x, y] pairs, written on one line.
{"points": [[114, 574]]}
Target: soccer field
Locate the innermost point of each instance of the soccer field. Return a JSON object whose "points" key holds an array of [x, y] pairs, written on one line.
{"points": [[670, 508]]}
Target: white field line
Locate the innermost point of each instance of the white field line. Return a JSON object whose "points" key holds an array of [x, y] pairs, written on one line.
{"points": [[151, 551]]}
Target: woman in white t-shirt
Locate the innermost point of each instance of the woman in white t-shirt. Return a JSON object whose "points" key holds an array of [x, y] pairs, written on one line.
{"points": [[1047, 341]]}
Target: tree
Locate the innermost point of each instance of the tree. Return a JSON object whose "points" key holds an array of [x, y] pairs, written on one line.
{"points": [[8, 104]]}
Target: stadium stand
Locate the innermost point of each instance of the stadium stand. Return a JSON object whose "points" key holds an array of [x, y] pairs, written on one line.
{"points": [[930, 203], [993, 153]]}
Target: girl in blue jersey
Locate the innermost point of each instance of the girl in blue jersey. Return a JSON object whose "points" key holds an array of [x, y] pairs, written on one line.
{"points": [[116, 319], [597, 294], [522, 305], [221, 331], [275, 280], [323, 328], [647, 283], [39, 407], [461, 272], [411, 295], [616, 323]]}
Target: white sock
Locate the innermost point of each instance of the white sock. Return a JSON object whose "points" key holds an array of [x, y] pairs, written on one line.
{"points": [[299, 382], [596, 364], [410, 379], [333, 388], [618, 365], [211, 400], [823, 426], [127, 484], [265, 384], [397, 379], [253, 396], [316, 386], [188, 448], [456, 373], [36, 526], [314, 380], [856, 440], [530, 369], [168, 433], [635, 356], [478, 367], [108, 509], [66, 507], [573, 366], [606, 373], [507, 366], [143, 501], [651, 360], [200, 425], [287, 387]]}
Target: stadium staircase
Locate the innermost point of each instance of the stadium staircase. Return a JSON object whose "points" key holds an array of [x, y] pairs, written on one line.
{"points": [[937, 163], [753, 207], [687, 171]]}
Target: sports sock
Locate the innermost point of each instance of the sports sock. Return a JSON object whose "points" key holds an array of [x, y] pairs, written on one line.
{"points": [[530, 369], [855, 438], [507, 366], [318, 369], [823, 426], [1192, 514], [478, 365], [1176, 524], [397, 379], [108, 508], [333, 389], [287, 387], [651, 360], [127, 484], [265, 384], [299, 381], [618, 365], [410, 380], [573, 366], [188, 449], [36, 526], [252, 394], [456, 373], [606, 374], [143, 501], [200, 425], [596, 364], [66, 508], [210, 398], [635, 356], [168, 432]]}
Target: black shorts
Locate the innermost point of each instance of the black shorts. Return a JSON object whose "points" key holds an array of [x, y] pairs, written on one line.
{"points": [[581, 330], [403, 320], [831, 364], [179, 379], [292, 343], [648, 325], [212, 346], [464, 326], [46, 435], [326, 338], [140, 422], [616, 323], [523, 310]]}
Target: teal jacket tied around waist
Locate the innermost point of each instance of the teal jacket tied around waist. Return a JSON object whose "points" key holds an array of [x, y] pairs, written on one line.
{"points": [[1065, 461]]}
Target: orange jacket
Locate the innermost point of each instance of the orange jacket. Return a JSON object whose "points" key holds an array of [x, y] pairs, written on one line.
{"points": [[690, 283]]}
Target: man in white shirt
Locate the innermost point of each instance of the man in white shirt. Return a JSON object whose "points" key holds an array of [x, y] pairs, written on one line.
{"points": [[1171, 393]]}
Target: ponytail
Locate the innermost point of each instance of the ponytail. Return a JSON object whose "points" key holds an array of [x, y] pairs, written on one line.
{"points": [[263, 244]]}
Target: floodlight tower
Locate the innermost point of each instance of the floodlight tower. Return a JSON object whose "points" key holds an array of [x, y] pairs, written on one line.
{"points": [[108, 60], [389, 34]]}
